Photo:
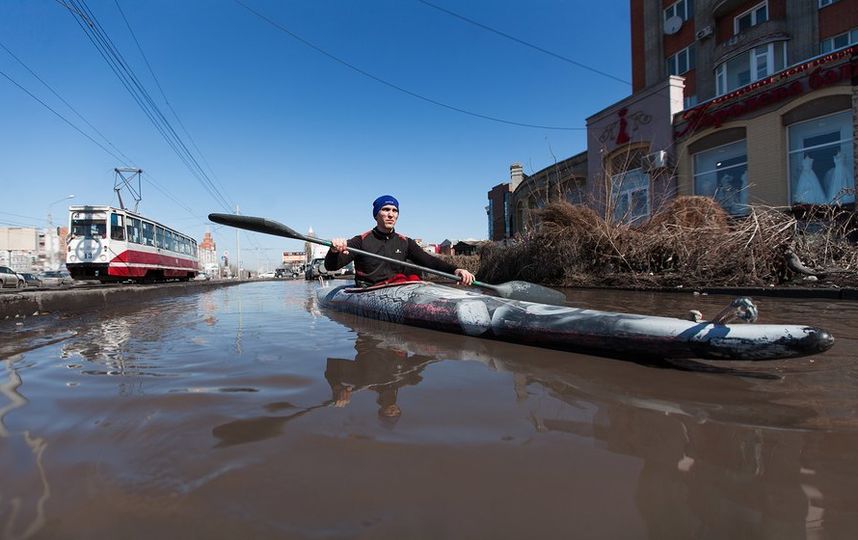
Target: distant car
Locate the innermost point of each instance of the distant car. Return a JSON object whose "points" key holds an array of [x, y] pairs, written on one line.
{"points": [[56, 278], [10, 278], [315, 268], [267, 275], [32, 280], [202, 276]]}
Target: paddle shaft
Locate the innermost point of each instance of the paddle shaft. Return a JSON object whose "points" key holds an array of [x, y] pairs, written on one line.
{"points": [[272, 227]]}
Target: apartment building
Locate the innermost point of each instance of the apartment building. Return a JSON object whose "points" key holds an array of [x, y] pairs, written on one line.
{"points": [[745, 101], [769, 98]]}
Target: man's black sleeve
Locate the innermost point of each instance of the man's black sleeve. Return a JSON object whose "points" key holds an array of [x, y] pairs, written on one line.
{"points": [[335, 261], [417, 255]]}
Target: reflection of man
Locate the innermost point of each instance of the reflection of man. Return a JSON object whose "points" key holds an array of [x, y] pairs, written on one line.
{"points": [[380, 369]]}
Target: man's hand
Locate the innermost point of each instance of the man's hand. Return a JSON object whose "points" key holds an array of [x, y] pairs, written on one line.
{"points": [[338, 245], [467, 277]]}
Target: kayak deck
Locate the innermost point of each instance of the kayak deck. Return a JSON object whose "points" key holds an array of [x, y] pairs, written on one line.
{"points": [[614, 334]]}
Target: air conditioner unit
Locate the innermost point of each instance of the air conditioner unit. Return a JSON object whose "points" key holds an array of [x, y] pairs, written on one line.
{"points": [[704, 32], [656, 160]]}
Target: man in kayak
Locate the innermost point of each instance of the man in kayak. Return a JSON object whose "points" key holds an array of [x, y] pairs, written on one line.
{"points": [[384, 240]]}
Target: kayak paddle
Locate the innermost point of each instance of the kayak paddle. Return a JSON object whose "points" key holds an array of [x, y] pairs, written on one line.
{"points": [[514, 290]]}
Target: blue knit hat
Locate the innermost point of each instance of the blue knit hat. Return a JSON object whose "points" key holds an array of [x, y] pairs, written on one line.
{"points": [[384, 200]]}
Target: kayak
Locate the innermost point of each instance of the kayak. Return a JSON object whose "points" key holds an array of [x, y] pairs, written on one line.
{"points": [[603, 333]]}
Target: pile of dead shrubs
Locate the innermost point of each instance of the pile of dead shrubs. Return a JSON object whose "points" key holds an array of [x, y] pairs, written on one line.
{"points": [[692, 243]]}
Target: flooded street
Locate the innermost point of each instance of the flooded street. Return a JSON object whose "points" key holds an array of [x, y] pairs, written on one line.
{"points": [[245, 412]]}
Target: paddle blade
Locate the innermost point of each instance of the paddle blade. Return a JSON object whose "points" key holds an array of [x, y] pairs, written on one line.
{"points": [[530, 292], [256, 224]]}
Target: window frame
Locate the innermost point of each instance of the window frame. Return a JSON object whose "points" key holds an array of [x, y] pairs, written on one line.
{"points": [[695, 174], [622, 191], [672, 10], [753, 13], [843, 141], [722, 76], [824, 3], [689, 60], [851, 39]]}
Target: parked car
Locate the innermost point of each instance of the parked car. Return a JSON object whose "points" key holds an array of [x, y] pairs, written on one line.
{"points": [[202, 276], [56, 278], [10, 278], [32, 280]]}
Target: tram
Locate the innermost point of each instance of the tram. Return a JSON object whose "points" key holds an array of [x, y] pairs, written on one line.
{"points": [[115, 244]]}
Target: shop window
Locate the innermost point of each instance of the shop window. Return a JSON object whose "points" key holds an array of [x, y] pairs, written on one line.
{"points": [[630, 196], [821, 160], [839, 41], [722, 173], [684, 9], [681, 62], [753, 65], [751, 18]]}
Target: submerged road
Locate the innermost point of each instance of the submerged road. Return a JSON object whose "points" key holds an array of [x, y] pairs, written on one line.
{"points": [[246, 411]]}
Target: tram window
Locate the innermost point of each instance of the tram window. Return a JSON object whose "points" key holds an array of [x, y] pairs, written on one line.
{"points": [[159, 237], [117, 230], [132, 228], [148, 234], [88, 228]]}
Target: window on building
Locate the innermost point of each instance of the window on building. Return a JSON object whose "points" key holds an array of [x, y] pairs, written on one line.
{"points": [[839, 41], [722, 173], [821, 160], [689, 101], [823, 3], [754, 16], [681, 62], [684, 9], [749, 66], [630, 196]]}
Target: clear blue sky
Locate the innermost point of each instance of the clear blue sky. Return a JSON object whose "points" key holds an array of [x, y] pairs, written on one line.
{"points": [[285, 131]]}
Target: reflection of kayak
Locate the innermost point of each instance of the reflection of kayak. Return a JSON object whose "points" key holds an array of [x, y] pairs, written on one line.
{"points": [[460, 311]]}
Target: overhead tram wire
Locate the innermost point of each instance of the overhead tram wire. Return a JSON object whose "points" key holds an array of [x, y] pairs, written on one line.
{"points": [[525, 43], [148, 177], [66, 103], [123, 71], [110, 53], [167, 101], [61, 117], [396, 87], [661, 93]]}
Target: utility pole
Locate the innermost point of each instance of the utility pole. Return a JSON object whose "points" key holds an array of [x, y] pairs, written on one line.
{"points": [[237, 247]]}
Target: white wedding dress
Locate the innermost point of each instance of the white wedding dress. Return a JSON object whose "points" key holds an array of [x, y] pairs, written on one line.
{"points": [[839, 179], [808, 189]]}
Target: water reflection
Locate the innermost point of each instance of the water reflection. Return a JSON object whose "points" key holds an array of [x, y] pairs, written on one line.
{"points": [[376, 367], [23, 508], [720, 455], [119, 343]]}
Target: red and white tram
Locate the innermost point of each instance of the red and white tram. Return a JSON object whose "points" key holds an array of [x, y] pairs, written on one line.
{"points": [[113, 244]]}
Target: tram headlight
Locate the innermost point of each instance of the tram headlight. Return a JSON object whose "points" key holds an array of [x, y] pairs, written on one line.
{"points": [[103, 257], [72, 258]]}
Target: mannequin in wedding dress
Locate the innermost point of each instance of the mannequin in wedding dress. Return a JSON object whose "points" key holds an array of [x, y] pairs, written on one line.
{"points": [[808, 188], [838, 179]]}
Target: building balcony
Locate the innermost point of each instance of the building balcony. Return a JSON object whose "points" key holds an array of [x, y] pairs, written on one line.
{"points": [[761, 34]]}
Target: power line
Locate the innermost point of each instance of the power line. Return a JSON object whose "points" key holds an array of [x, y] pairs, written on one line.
{"points": [[123, 71], [61, 117], [395, 86], [164, 95], [66, 103], [525, 43]]}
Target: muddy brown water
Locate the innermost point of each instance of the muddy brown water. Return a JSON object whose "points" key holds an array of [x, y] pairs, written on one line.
{"points": [[245, 412]]}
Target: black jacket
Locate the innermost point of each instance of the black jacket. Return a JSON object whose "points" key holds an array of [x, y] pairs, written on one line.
{"points": [[369, 271]]}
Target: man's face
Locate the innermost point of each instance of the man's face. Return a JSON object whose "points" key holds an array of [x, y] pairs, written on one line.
{"points": [[386, 217]]}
